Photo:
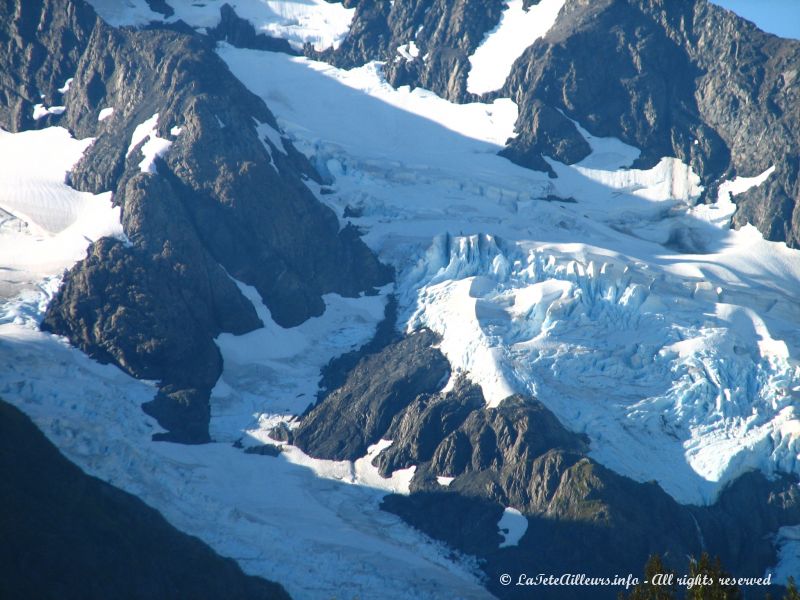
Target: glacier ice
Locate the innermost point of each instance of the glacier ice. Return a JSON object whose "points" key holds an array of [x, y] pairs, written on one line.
{"points": [[636, 315]]}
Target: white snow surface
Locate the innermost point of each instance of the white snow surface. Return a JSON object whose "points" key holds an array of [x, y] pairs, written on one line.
{"points": [[268, 513], [787, 541], [153, 146], [518, 29], [40, 111], [317, 22], [45, 225], [271, 514], [635, 315], [272, 373], [408, 51], [105, 113], [512, 526], [65, 88]]}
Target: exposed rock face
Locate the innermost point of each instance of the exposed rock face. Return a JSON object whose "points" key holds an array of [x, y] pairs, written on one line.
{"points": [[228, 198], [71, 536], [425, 423], [685, 79], [241, 33], [359, 413], [41, 42], [519, 455], [445, 32]]}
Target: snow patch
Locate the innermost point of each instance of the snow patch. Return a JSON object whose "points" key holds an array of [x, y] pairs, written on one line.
{"points": [[722, 210], [358, 472], [65, 88], [120, 13], [153, 147], [40, 111], [45, 225], [317, 22], [512, 526], [273, 373], [408, 51], [266, 131], [518, 29], [105, 113]]}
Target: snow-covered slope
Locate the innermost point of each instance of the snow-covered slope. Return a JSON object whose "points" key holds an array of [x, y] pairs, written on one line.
{"points": [[629, 312], [518, 29], [317, 22], [267, 513], [45, 225], [635, 316]]}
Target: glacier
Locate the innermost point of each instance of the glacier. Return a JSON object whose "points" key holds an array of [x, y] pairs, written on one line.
{"points": [[635, 314], [268, 513], [631, 311]]}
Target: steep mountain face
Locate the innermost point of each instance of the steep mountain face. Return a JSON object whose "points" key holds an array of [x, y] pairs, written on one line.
{"points": [[41, 46], [225, 202], [68, 535], [690, 80], [472, 461], [357, 415], [683, 79], [219, 195], [442, 35]]}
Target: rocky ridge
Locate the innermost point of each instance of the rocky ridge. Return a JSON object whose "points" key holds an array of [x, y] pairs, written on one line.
{"points": [[519, 455], [684, 79], [228, 199]]}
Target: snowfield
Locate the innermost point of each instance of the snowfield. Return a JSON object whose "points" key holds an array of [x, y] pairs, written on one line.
{"points": [[637, 316], [45, 225], [268, 513], [317, 22]]}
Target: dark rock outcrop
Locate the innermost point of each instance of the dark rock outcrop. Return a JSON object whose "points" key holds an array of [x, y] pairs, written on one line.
{"points": [[445, 32], [518, 455], [351, 418], [241, 33], [685, 79], [41, 42], [70, 536], [226, 199], [419, 429]]}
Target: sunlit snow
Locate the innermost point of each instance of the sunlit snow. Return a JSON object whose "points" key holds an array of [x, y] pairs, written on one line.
{"points": [[512, 526], [153, 146], [317, 22], [518, 28], [45, 225], [625, 308]]}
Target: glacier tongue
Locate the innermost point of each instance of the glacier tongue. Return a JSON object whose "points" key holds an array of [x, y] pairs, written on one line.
{"points": [[636, 316], [646, 364]]}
